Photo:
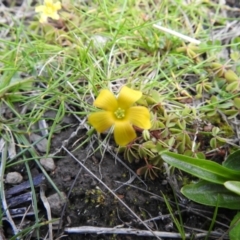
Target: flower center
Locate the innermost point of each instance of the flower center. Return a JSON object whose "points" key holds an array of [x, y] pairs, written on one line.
{"points": [[119, 113]]}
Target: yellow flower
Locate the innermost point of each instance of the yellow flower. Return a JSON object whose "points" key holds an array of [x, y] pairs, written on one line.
{"points": [[120, 114], [49, 9]]}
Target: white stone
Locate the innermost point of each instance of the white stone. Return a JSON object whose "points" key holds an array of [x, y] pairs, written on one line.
{"points": [[57, 202], [48, 164], [13, 178]]}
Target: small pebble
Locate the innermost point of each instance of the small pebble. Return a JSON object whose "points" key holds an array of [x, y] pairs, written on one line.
{"points": [[56, 202], [13, 178], [48, 164], [41, 144]]}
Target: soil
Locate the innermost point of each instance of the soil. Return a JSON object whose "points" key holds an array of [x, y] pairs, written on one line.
{"points": [[91, 204]]}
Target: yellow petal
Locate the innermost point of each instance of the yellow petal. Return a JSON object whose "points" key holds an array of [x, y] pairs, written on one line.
{"points": [[39, 8], [106, 100], [139, 116], [123, 133], [55, 16], [57, 6], [43, 18], [101, 121], [127, 97]]}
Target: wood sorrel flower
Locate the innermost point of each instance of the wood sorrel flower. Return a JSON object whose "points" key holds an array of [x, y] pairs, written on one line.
{"points": [[48, 9], [120, 114]]}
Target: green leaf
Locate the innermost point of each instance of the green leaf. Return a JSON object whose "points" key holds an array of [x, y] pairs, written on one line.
{"points": [[237, 102], [205, 169], [233, 186], [234, 232], [215, 131], [213, 143], [211, 194], [233, 161], [235, 56]]}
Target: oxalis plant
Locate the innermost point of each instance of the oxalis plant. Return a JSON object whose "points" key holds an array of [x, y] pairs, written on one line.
{"points": [[219, 185]]}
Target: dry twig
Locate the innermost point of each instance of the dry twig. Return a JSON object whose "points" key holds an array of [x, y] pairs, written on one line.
{"points": [[103, 230]]}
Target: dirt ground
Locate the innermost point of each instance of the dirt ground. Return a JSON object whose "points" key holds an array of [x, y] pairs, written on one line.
{"points": [[90, 204]]}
